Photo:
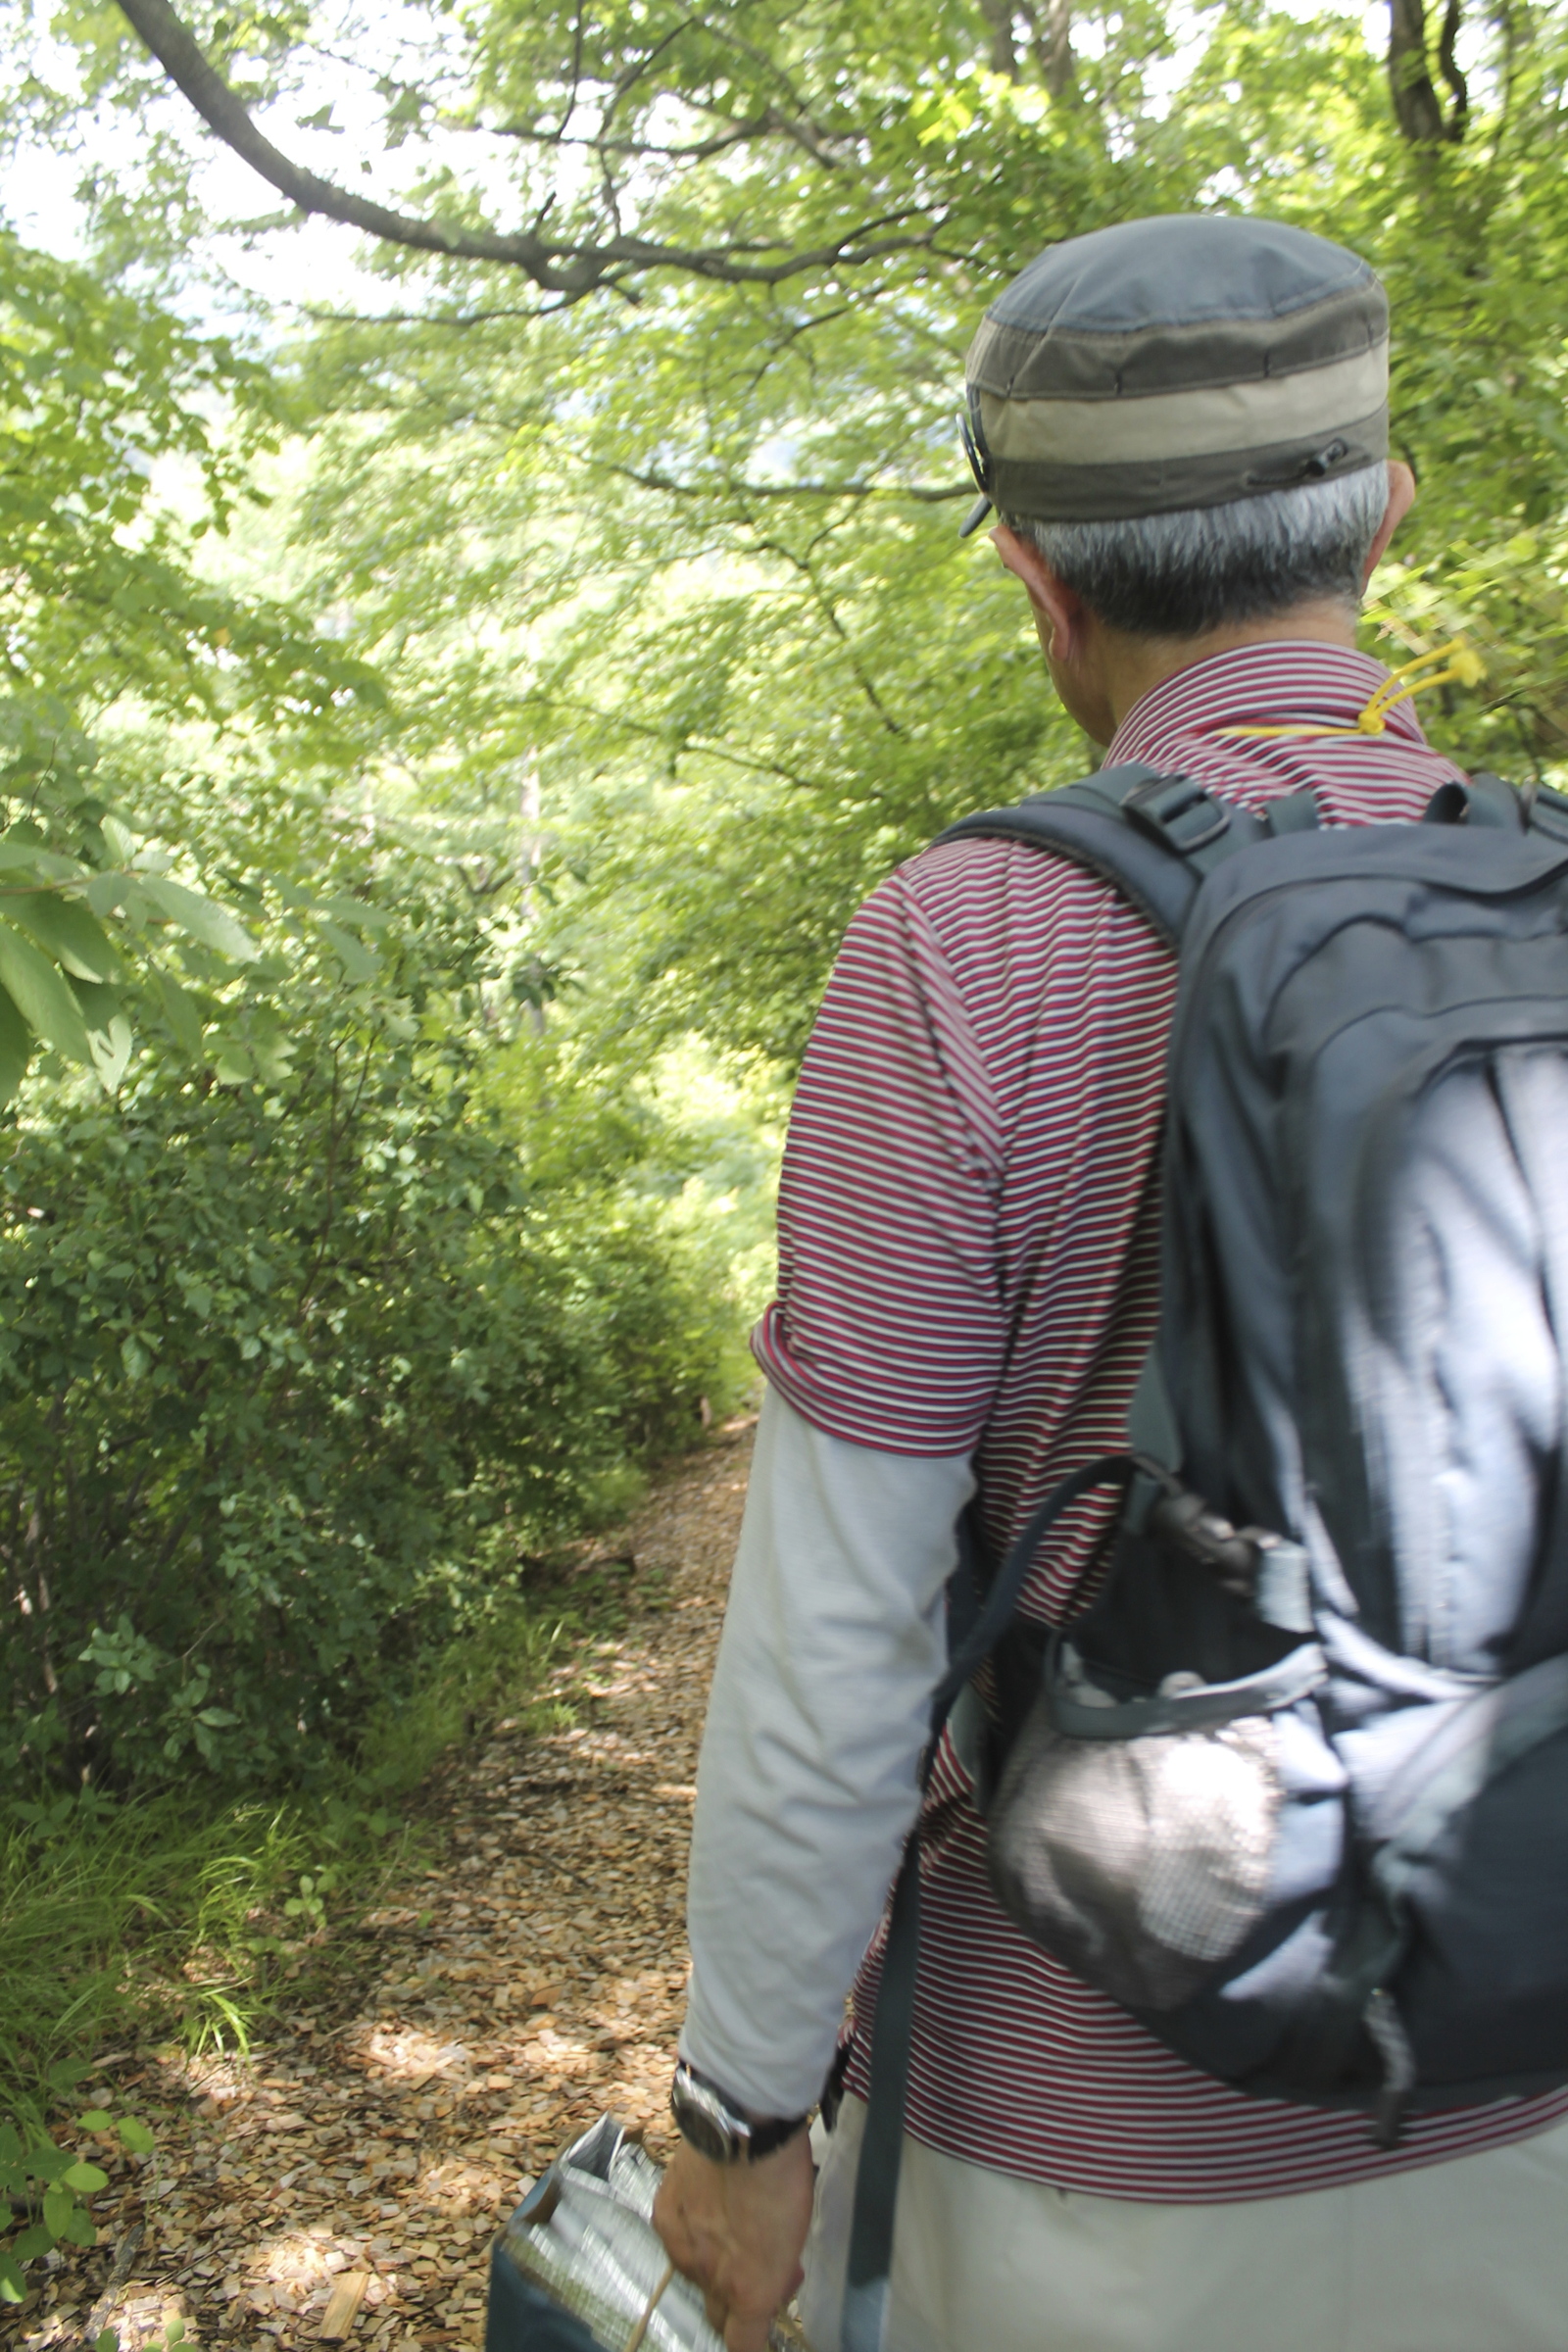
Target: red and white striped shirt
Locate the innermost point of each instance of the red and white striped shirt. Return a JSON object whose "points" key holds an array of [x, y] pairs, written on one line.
{"points": [[968, 1236]]}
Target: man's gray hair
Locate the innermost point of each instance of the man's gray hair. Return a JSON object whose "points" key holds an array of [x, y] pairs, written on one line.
{"points": [[1176, 576]]}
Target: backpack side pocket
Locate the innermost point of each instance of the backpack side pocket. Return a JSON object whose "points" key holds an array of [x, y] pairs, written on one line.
{"points": [[1141, 1863]]}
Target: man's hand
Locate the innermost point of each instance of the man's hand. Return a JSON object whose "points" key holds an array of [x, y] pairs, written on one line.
{"points": [[736, 2231]]}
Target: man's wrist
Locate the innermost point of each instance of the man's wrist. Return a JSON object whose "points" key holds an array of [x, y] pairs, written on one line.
{"points": [[719, 2128]]}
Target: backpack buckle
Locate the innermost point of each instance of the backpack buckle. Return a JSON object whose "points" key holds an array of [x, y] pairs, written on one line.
{"points": [[1251, 1563], [1177, 811]]}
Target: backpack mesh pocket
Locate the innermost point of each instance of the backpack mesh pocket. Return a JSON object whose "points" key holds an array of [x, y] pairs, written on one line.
{"points": [[1141, 1863]]}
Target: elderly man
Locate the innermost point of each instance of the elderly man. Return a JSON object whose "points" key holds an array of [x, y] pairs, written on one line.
{"points": [[1183, 428]]}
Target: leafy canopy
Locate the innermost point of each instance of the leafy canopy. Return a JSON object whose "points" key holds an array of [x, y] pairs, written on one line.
{"points": [[674, 553], [103, 612]]}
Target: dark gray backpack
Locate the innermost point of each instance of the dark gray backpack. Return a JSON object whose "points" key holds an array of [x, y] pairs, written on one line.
{"points": [[1295, 1787]]}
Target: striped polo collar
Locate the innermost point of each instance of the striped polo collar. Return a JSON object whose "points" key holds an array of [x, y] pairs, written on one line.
{"points": [[1282, 681]]}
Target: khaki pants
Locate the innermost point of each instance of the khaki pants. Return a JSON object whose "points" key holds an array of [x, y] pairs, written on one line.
{"points": [[1467, 2256]]}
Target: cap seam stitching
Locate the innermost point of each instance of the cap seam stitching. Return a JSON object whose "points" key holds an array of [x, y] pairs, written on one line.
{"points": [[1319, 296], [1207, 383]]}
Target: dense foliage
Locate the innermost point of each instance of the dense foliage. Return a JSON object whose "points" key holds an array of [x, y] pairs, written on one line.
{"points": [[618, 566], [643, 474], [299, 1363], [100, 605], [325, 1296]]}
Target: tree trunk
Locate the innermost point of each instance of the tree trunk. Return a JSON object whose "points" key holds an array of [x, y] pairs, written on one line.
{"points": [[1053, 45], [997, 15], [1449, 66], [1417, 108]]}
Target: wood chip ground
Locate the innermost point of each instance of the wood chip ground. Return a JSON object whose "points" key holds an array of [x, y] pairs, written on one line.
{"points": [[533, 1978]]}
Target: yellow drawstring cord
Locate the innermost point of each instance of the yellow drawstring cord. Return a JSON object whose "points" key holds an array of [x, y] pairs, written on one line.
{"points": [[1465, 669]]}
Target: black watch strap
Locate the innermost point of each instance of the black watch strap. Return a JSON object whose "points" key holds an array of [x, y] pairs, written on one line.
{"points": [[718, 2127]]}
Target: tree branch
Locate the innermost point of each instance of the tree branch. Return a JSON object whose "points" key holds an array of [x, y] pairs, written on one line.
{"points": [[696, 151], [917, 491], [1449, 66], [1417, 108], [557, 266]]}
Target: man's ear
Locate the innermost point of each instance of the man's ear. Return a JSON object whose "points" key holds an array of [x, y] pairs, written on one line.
{"points": [[1059, 614], [1401, 498]]}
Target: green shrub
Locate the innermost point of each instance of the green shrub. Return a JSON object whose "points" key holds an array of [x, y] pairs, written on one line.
{"points": [[42, 2185], [299, 1363]]}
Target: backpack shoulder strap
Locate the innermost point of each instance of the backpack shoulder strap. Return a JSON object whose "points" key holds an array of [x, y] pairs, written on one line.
{"points": [[1154, 837], [1544, 812], [1486, 799]]}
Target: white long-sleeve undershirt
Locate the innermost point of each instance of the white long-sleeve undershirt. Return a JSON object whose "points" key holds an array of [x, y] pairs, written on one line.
{"points": [[808, 1783]]}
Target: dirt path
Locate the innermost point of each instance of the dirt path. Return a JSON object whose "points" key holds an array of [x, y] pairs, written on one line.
{"points": [[530, 1981]]}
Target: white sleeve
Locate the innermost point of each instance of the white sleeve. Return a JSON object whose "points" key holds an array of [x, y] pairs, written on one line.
{"points": [[808, 1784]]}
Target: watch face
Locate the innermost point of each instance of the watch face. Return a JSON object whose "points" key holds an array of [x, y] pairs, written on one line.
{"points": [[704, 2122]]}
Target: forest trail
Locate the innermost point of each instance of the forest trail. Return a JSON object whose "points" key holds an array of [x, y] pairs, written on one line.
{"points": [[530, 1978]]}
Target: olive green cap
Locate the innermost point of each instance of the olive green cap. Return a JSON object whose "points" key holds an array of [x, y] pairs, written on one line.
{"points": [[1181, 362]]}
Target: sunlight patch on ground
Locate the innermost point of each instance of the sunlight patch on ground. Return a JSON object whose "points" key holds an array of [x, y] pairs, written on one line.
{"points": [[406, 2055], [284, 2277], [301, 2260]]}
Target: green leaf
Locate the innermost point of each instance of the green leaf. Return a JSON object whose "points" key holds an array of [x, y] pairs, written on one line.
{"points": [[42, 996], [29, 857], [270, 1050], [85, 2179], [106, 2341], [80, 2228], [96, 2119], [357, 960], [233, 1064], [133, 1356], [109, 1033], [355, 911], [57, 2207], [136, 2136], [16, 1048], [39, 2239], [182, 1013], [12, 2285], [123, 841], [111, 1052], [67, 929], [214, 926]]}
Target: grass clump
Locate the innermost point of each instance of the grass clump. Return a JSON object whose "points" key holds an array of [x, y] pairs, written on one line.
{"points": [[159, 1917], [187, 1916]]}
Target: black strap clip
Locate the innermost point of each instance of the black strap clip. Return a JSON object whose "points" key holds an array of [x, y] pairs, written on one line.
{"points": [[1484, 799], [1177, 811]]}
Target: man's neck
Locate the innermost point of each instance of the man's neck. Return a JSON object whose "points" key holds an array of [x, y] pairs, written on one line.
{"points": [[1132, 667]]}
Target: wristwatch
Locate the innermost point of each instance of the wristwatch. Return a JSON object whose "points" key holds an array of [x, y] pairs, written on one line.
{"points": [[717, 2129]]}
